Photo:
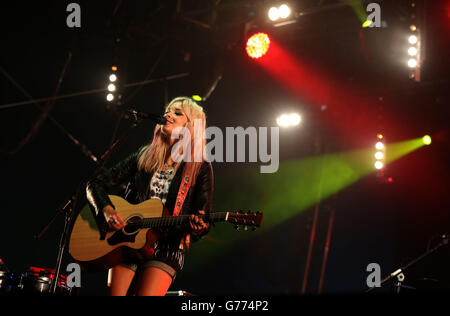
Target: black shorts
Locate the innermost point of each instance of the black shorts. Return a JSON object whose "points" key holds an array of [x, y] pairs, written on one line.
{"points": [[166, 258]]}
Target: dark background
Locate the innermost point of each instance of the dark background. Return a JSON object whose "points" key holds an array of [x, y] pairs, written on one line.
{"points": [[386, 223]]}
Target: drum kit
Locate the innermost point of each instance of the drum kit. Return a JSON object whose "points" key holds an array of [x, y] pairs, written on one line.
{"points": [[35, 282]]}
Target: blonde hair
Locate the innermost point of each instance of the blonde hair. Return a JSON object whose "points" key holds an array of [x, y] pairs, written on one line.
{"points": [[152, 157]]}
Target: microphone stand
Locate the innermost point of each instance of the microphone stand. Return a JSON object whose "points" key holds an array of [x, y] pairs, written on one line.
{"points": [[399, 273], [69, 207]]}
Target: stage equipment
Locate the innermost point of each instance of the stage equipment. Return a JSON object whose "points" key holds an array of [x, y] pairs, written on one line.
{"points": [[412, 63], [197, 98], [412, 39], [414, 50], [378, 165], [426, 140], [112, 86], [288, 120], [94, 91], [379, 145], [273, 14], [367, 23], [158, 119], [38, 281], [399, 274], [283, 14], [34, 282], [277, 13], [257, 45], [380, 155]]}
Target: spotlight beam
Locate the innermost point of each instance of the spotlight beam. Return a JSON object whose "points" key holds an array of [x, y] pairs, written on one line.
{"points": [[338, 171], [347, 110]]}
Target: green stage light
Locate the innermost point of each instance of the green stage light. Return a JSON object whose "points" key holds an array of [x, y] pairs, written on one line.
{"points": [[367, 23], [426, 139], [197, 98], [296, 187], [358, 7]]}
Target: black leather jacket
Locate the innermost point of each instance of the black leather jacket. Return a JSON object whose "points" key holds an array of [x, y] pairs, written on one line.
{"points": [[137, 184]]}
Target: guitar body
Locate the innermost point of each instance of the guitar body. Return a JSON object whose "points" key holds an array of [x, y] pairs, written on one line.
{"points": [[137, 239], [92, 253]]}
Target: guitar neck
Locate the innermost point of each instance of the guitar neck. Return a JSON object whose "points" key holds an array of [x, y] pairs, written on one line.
{"points": [[169, 221]]}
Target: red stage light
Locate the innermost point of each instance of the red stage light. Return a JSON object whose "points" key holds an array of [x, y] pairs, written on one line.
{"points": [[258, 45]]}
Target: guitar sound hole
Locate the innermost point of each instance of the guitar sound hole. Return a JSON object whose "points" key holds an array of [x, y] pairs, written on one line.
{"points": [[134, 224]]}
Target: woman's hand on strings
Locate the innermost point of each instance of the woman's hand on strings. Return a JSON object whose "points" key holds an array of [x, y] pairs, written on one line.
{"points": [[197, 224], [113, 219]]}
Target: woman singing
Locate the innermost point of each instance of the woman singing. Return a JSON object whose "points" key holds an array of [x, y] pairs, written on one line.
{"points": [[155, 172]]}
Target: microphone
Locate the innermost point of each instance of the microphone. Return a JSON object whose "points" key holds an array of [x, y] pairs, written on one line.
{"points": [[146, 116]]}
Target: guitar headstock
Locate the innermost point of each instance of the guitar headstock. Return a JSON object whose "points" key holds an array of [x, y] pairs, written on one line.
{"points": [[246, 219]]}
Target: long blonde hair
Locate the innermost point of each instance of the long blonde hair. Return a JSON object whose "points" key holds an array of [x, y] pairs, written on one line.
{"points": [[152, 157]]}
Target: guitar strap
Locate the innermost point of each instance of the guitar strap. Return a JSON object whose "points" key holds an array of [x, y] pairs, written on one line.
{"points": [[182, 192]]}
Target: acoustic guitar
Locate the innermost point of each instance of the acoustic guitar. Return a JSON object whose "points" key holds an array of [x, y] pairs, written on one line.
{"points": [[144, 224]]}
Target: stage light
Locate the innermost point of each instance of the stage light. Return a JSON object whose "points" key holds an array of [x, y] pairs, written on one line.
{"points": [[110, 97], [412, 39], [197, 98], [258, 45], [111, 87], [284, 11], [367, 23], [426, 140], [379, 155], [288, 120], [273, 14], [412, 63], [415, 58], [283, 120], [295, 119], [412, 51], [379, 145]]}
